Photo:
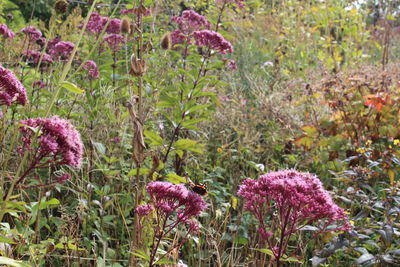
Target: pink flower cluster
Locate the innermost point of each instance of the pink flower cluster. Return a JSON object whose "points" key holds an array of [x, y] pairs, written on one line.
{"points": [[302, 193], [178, 37], [32, 32], [34, 56], [58, 141], [97, 23], [212, 40], [239, 3], [91, 67], [5, 31], [38, 84], [191, 21], [114, 41], [173, 198], [291, 200], [62, 50], [11, 89]]}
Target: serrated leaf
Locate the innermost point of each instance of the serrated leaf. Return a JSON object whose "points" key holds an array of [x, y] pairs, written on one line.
{"points": [[71, 87]]}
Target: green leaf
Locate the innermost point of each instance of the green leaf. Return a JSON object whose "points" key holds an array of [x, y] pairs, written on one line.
{"points": [[142, 171], [50, 202], [155, 139], [184, 144], [71, 87], [291, 259], [197, 107], [175, 179], [11, 262], [164, 262], [6, 240], [189, 124], [141, 254], [266, 251]]}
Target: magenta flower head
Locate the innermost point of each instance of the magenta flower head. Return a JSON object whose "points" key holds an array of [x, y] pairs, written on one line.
{"points": [[291, 200], [11, 89], [39, 84], [114, 26], [52, 43], [91, 67], [190, 21], [34, 56], [95, 24], [114, 41], [170, 198], [62, 50], [144, 210], [5, 31], [31, 32], [213, 40], [58, 141], [239, 3]]}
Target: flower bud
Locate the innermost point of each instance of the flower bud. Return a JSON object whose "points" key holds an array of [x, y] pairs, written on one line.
{"points": [[125, 26], [166, 41], [139, 66]]}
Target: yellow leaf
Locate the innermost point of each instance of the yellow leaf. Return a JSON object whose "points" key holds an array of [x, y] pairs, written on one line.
{"points": [[392, 175]]}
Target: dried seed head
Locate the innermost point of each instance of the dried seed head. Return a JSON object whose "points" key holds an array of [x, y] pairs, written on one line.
{"points": [[139, 66], [166, 41], [125, 26], [61, 6], [147, 46]]}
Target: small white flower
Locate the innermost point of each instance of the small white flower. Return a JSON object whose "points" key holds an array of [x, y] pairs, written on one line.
{"points": [[260, 166]]}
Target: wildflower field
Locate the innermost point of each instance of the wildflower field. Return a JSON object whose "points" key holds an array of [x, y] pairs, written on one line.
{"points": [[199, 133]]}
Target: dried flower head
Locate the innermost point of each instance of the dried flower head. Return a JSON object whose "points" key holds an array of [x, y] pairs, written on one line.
{"points": [[91, 67], [138, 66], [5, 31], [166, 41], [61, 6], [58, 141], [11, 89], [126, 26], [212, 40]]}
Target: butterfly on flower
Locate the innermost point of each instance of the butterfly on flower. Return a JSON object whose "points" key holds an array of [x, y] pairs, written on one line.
{"points": [[200, 189]]}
